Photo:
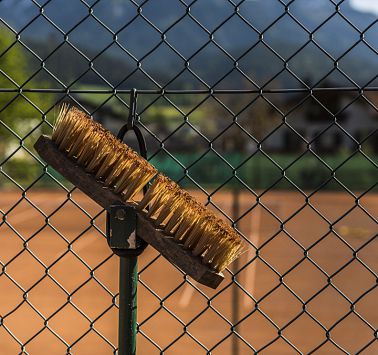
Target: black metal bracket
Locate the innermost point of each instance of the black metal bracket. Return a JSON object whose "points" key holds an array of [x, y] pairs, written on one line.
{"points": [[121, 231]]}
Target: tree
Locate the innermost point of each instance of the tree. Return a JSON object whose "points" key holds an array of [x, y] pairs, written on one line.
{"points": [[16, 113], [254, 114], [17, 116]]}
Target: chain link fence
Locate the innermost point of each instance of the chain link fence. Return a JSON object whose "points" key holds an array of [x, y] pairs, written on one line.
{"points": [[264, 110]]}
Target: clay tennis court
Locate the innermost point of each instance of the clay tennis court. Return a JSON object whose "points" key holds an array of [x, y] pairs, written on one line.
{"points": [[52, 280]]}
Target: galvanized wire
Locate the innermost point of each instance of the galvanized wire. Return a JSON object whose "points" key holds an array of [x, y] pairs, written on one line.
{"points": [[205, 94]]}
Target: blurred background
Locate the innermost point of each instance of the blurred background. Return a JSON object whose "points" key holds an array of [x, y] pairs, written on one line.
{"points": [[266, 111]]}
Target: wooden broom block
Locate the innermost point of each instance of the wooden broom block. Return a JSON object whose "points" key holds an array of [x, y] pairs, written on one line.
{"points": [[105, 197]]}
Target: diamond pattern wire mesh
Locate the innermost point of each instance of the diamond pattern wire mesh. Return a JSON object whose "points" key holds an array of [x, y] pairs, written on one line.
{"points": [[308, 281]]}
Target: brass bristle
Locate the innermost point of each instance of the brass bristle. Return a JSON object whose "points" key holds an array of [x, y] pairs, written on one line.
{"points": [[195, 226], [168, 206], [100, 153]]}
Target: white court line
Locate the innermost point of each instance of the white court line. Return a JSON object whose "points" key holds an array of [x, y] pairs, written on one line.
{"points": [[77, 249], [187, 295], [25, 214], [188, 291], [250, 274]]}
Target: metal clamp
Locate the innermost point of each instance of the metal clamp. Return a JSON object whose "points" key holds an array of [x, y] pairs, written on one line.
{"points": [[121, 231]]}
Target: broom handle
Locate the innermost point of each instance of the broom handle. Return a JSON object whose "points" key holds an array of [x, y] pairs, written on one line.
{"points": [[127, 328]]}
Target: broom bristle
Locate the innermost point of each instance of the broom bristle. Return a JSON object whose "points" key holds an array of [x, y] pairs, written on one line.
{"points": [[100, 153], [168, 206]]}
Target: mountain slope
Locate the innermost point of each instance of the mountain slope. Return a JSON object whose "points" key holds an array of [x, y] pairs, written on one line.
{"points": [[285, 37]]}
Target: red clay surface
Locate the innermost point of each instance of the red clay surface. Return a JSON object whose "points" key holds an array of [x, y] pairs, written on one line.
{"points": [[39, 281]]}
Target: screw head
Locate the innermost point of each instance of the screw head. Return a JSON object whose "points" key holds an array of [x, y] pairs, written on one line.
{"points": [[120, 214]]}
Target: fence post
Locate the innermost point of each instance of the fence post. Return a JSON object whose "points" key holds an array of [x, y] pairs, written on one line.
{"points": [[128, 280], [122, 239], [128, 263]]}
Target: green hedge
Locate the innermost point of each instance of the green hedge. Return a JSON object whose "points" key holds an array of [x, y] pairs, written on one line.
{"points": [[259, 172]]}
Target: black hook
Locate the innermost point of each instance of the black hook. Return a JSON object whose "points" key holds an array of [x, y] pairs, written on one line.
{"points": [[130, 126], [139, 136], [132, 115]]}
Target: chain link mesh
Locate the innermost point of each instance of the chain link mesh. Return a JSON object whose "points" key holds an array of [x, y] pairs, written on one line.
{"points": [[217, 119]]}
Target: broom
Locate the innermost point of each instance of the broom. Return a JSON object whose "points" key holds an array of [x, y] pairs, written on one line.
{"points": [[187, 233]]}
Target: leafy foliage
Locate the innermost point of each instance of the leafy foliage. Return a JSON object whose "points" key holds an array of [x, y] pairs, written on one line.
{"points": [[17, 115]]}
